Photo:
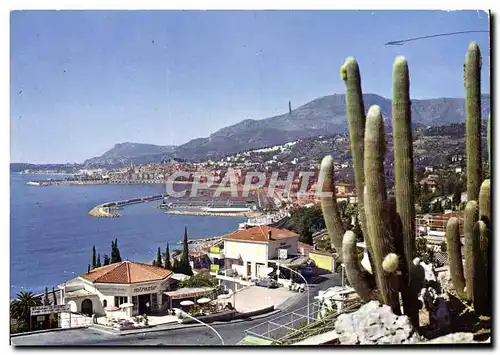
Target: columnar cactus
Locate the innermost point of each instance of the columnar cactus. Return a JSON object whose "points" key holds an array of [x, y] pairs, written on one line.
{"points": [[454, 246], [477, 215], [329, 207], [349, 73], [472, 79], [404, 177]]}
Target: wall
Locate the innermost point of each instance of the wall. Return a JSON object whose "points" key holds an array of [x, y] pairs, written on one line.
{"points": [[289, 244], [322, 261], [249, 251]]}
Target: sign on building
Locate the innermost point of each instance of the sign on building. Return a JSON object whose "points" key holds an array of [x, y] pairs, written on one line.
{"points": [[214, 267], [282, 254], [41, 310]]}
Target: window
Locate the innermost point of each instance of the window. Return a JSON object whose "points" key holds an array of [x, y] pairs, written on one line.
{"points": [[154, 301], [120, 300], [105, 303]]}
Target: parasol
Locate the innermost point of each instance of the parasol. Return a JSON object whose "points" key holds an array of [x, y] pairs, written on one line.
{"points": [[126, 305], [203, 300], [187, 303]]}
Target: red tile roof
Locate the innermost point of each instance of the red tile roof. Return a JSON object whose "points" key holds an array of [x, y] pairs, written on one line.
{"points": [[126, 272], [260, 234]]}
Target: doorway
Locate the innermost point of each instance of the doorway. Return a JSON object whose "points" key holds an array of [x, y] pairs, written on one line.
{"points": [[87, 307], [249, 268], [144, 304]]}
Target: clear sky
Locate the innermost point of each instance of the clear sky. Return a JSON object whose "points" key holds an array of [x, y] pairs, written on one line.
{"points": [[82, 81]]}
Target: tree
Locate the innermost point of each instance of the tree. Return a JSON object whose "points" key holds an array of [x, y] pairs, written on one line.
{"points": [[154, 263], [98, 262], [357, 229], [46, 301], [106, 259], [118, 256], [93, 257], [168, 264], [203, 279], [158, 258], [184, 266], [113, 252], [20, 308], [54, 295], [88, 269], [175, 267]]}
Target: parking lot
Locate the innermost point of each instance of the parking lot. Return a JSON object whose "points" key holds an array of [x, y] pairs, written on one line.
{"points": [[256, 297]]}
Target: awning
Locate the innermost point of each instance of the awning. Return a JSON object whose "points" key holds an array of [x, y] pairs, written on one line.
{"points": [[189, 292]]}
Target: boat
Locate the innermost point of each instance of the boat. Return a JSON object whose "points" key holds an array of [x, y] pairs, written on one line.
{"points": [[33, 183]]}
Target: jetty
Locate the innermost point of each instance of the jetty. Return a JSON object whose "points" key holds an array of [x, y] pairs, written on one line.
{"points": [[213, 214], [104, 210]]}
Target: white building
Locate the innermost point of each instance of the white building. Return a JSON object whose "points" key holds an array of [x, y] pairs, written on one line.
{"points": [[249, 250], [127, 282]]}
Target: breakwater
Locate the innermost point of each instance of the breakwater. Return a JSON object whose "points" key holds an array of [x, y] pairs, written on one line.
{"points": [[194, 212], [104, 210]]}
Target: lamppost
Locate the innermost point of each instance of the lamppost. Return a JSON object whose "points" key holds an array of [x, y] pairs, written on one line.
{"points": [[307, 286], [205, 324]]}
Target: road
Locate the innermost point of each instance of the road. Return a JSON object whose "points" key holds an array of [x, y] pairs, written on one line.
{"points": [[231, 332]]}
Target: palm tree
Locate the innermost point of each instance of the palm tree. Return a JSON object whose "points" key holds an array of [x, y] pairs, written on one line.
{"points": [[20, 307]]}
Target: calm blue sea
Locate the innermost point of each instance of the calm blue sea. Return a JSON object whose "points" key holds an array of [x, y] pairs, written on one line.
{"points": [[52, 234]]}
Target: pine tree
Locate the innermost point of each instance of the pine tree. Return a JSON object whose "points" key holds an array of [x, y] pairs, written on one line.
{"points": [[168, 264], [175, 267], [154, 262], [88, 269], [93, 257], [158, 258], [98, 262], [106, 260], [54, 296], [46, 301]]}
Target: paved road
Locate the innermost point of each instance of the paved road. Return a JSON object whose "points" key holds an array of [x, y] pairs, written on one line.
{"points": [[232, 333]]}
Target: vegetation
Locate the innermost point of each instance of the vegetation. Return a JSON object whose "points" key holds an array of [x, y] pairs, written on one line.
{"points": [[183, 266], [387, 224], [158, 258], [168, 263], [471, 281], [202, 279], [20, 309]]}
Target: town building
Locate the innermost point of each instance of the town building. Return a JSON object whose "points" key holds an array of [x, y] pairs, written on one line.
{"points": [[249, 251], [140, 286]]}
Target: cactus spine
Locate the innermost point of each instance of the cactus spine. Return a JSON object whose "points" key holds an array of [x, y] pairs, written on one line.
{"points": [[472, 78], [329, 207], [404, 177]]}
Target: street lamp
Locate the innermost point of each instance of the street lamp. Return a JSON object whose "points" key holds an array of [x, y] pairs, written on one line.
{"points": [[307, 285], [205, 324]]}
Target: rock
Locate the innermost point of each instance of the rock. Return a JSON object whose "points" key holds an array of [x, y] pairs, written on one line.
{"points": [[375, 323], [430, 275], [453, 338]]}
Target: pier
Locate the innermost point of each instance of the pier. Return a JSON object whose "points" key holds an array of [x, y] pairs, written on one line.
{"points": [[104, 210]]}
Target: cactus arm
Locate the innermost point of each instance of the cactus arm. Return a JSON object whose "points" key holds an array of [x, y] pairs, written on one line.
{"points": [[481, 291], [404, 177], [329, 207], [471, 216], [376, 206], [358, 278], [454, 249], [355, 108], [472, 79], [485, 203]]}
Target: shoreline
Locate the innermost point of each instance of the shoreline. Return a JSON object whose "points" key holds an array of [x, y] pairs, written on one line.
{"points": [[215, 214]]}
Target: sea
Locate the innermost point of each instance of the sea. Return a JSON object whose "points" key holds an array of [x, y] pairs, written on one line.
{"points": [[51, 233]]}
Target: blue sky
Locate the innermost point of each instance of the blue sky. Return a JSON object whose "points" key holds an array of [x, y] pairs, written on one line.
{"points": [[82, 81]]}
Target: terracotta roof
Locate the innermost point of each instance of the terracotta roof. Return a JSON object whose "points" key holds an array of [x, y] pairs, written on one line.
{"points": [[260, 234], [304, 245], [126, 272]]}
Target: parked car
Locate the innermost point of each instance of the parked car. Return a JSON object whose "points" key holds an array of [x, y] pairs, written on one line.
{"points": [[269, 283]]}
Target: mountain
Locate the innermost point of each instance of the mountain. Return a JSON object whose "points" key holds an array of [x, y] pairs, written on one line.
{"points": [[136, 153], [323, 116]]}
